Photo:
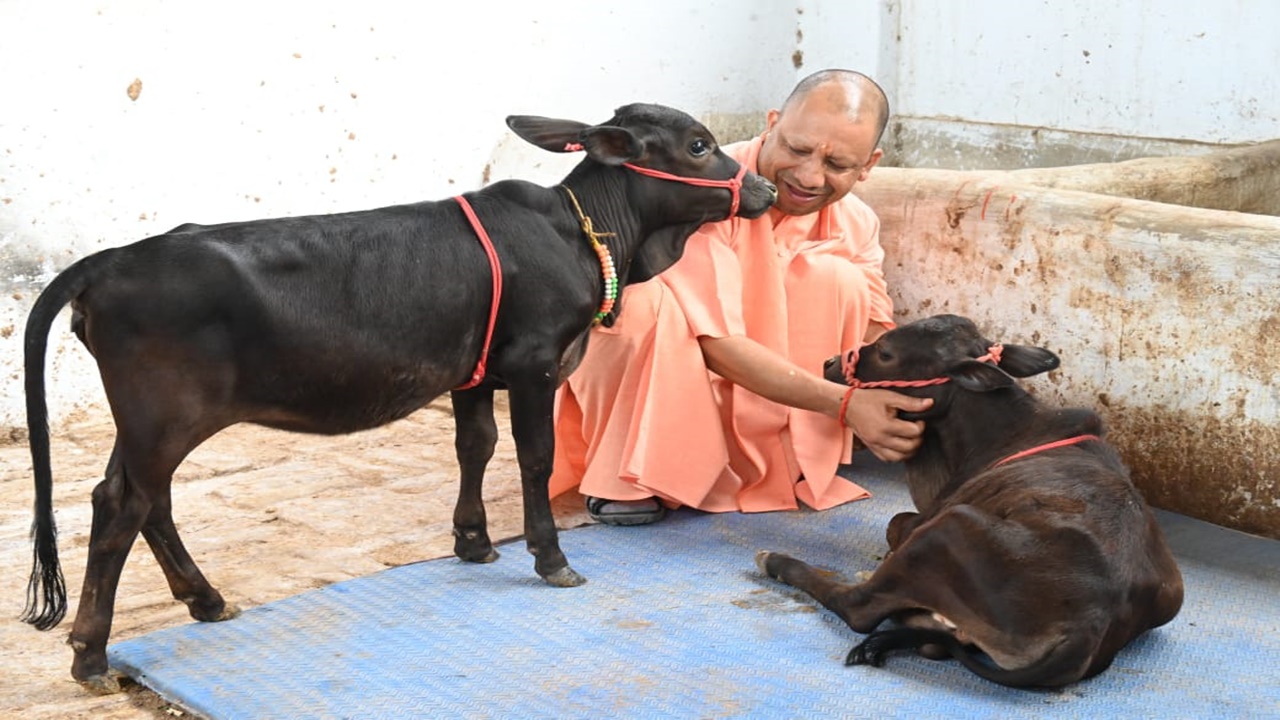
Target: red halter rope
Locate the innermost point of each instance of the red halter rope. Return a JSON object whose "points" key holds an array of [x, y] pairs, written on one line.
{"points": [[733, 185], [849, 363]]}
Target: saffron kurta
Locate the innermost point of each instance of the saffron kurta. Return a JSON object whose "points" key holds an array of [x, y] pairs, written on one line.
{"points": [[643, 416]]}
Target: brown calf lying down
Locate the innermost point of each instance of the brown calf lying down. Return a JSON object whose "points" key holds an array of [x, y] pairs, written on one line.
{"points": [[1030, 545]]}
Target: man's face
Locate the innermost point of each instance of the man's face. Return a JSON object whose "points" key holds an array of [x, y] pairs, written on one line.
{"points": [[815, 153]]}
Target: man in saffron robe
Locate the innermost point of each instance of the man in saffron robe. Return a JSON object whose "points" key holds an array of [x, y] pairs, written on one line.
{"points": [[708, 391]]}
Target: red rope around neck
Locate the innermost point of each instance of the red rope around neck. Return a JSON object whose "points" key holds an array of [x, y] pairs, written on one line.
{"points": [[1046, 446]]}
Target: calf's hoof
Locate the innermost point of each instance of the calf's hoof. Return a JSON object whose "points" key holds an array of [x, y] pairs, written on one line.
{"points": [[564, 577], [762, 561], [229, 611], [476, 555], [218, 613], [472, 546], [90, 669], [103, 684], [765, 559]]}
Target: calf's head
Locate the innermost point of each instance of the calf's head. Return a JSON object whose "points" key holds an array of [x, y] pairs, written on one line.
{"points": [[678, 177], [935, 356]]}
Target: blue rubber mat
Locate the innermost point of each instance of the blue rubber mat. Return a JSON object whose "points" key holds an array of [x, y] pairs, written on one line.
{"points": [[676, 622]]}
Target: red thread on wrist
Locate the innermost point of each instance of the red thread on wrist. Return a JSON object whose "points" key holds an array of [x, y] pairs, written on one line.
{"points": [[844, 405]]}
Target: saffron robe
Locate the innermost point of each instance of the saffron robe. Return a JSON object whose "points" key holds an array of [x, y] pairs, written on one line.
{"points": [[643, 416]]}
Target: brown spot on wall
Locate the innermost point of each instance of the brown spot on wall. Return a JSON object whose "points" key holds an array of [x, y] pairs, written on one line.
{"points": [[135, 89], [797, 59], [1223, 471], [1012, 226]]}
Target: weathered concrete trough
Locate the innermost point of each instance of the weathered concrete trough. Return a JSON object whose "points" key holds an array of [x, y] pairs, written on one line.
{"points": [[1166, 314]]}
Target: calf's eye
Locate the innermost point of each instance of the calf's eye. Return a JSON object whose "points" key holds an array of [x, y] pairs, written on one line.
{"points": [[699, 147]]}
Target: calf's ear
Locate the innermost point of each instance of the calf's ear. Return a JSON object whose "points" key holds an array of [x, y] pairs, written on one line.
{"points": [[978, 376], [548, 133], [611, 145], [1025, 361]]}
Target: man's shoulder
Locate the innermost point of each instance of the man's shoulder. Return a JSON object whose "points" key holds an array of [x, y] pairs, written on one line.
{"points": [[744, 151], [852, 209]]}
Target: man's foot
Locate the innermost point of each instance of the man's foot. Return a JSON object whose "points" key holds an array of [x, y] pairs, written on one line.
{"points": [[625, 512]]}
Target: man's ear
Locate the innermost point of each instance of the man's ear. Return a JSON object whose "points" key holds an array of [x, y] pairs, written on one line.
{"points": [[866, 169], [771, 119]]}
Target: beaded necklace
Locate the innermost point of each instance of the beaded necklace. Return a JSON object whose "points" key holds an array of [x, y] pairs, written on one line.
{"points": [[607, 270]]}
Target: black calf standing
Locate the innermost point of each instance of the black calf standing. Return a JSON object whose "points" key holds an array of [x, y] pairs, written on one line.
{"points": [[337, 323], [1030, 545]]}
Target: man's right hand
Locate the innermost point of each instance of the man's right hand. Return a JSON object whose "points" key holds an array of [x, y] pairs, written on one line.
{"points": [[873, 416]]}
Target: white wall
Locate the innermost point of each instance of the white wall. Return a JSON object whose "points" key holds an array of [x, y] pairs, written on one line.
{"points": [[1180, 69], [261, 108], [256, 109]]}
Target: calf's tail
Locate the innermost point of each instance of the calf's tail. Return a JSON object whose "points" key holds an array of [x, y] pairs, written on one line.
{"points": [[46, 589], [1062, 665]]}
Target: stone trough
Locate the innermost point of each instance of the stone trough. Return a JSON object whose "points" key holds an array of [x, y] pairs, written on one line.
{"points": [[1157, 280]]}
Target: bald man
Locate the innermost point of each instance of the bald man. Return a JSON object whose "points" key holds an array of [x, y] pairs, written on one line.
{"points": [[708, 392]]}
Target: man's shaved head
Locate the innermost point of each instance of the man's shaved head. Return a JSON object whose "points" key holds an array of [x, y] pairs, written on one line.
{"points": [[863, 96]]}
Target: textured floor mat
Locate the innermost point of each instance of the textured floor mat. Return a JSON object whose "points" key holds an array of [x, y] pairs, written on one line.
{"points": [[676, 622]]}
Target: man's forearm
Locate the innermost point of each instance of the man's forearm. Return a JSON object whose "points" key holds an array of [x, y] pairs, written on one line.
{"points": [[743, 361]]}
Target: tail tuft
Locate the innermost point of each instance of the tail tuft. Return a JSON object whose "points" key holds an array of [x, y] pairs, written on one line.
{"points": [[46, 590]]}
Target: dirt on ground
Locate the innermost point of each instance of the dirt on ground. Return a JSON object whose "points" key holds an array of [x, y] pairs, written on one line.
{"points": [[265, 514]]}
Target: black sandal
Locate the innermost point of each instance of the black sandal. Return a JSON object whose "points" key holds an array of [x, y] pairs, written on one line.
{"points": [[625, 512]]}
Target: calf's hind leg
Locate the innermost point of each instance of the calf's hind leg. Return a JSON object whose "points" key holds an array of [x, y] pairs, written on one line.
{"points": [[475, 436], [186, 581], [119, 512]]}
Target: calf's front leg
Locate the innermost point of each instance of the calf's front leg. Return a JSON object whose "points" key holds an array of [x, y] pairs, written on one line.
{"points": [[532, 426], [850, 602]]}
